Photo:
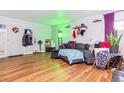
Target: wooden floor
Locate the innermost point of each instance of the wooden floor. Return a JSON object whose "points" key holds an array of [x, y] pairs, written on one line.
{"points": [[40, 68]]}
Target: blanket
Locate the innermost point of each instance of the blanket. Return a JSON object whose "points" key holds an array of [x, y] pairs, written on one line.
{"points": [[71, 54]]}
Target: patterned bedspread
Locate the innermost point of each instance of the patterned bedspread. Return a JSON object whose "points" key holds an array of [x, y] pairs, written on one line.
{"points": [[71, 54]]}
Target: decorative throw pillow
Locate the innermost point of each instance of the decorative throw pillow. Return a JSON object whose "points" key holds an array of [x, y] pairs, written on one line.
{"points": [[67, 46], [72, 44], [80, 46], [97, 45], [63, 46], [105, 44]]}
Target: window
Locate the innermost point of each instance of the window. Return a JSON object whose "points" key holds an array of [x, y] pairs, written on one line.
{"points": [[119, 25]]}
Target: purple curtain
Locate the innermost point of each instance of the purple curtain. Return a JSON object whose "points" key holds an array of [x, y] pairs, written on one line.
{"points": [[109, 24]]}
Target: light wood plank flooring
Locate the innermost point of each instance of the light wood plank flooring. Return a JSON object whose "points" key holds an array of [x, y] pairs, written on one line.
{"points": [[40, 68]]}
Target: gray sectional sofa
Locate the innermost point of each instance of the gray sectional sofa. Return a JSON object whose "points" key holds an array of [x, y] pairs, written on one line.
{"points": [[85, 48]]}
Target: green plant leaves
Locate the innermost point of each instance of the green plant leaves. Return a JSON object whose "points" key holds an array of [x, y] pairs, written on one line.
{"points": [[119, 38], [114, 39]]}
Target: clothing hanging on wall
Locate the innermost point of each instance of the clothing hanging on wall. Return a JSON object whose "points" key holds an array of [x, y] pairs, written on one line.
{"points": [[74, 34], [27, 37], [82, 32], [34, 40], [78, 30]]}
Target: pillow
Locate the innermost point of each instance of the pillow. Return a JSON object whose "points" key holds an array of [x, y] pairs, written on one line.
{"points": [[62, 46], [80, 46], [105, 44], [87, 46], [72, 44], [67, 46], [97, 45]]}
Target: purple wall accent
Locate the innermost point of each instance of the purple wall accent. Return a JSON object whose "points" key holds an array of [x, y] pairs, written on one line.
{"points": [[109, 24]]}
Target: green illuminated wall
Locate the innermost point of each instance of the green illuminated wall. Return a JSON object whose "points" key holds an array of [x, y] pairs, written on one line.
{"points": [[57, 22], [62, 28]]}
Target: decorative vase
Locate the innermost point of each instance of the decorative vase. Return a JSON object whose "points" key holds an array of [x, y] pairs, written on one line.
{"points": [[114, 49]]}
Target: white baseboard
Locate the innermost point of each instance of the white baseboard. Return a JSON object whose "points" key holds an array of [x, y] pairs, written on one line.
{"points": [[28, 53], [3, 56]]}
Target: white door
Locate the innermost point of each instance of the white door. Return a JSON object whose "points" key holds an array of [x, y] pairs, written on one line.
{"points": [[3, 43], [14, 41]]}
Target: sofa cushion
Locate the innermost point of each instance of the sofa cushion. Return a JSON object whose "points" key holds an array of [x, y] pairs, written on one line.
{"points": [[88, 54], [87, 46], [67, 46], [80, 46], [63, 46], [72, 44]]}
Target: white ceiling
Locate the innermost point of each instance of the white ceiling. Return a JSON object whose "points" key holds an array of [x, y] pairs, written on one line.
{"points": [[38, 15]]}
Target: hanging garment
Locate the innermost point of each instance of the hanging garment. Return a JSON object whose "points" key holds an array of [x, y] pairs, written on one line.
{"points": [[33, 38], [27, 38], [82, 32], [24, 40], [78, 31], [74, 34]]}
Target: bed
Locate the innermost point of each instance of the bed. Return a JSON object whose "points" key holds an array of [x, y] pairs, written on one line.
{"points": [[71, 55]]}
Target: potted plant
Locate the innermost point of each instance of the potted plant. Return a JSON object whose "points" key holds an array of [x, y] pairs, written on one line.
{"points": [[39, 43], [114, 40]]}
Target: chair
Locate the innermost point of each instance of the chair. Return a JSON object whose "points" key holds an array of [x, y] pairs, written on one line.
{"points": [[96, 51]]}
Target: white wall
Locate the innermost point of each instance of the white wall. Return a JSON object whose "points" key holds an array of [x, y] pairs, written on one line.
{"points": [[14, 40], [55, 35], [3, 38], [94, 31]]}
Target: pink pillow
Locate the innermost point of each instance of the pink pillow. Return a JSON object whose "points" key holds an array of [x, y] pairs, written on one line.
{"points": [[63, 46], [72, 44], [105, 44]]}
